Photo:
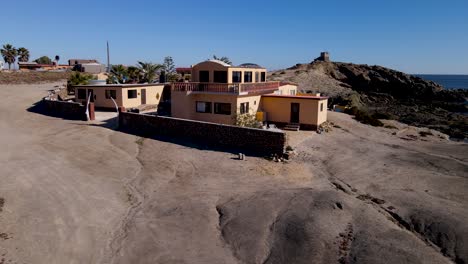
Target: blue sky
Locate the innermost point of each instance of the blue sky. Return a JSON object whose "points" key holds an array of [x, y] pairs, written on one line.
{"points": [[412, 36]]}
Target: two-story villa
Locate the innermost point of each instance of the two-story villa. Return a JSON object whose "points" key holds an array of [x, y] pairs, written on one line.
{"points": [[218, 92]]}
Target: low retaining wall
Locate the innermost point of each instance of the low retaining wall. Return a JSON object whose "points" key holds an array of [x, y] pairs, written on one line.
{"points": [[68, 110], [248, 139]]}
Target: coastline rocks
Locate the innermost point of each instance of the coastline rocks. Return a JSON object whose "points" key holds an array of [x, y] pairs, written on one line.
{"points": [[382, 91]]}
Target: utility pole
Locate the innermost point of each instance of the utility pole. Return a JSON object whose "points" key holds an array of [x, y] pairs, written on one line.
{"points": [[108, 59]]}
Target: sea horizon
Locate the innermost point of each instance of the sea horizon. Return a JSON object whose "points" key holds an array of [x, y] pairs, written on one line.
{"points": [[448, 81]]}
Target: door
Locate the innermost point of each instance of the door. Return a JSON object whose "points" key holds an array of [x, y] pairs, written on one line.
{"points": [[294, 113], [143, 96]]}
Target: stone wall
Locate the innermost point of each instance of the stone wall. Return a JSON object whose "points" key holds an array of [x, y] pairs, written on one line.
{"points": [[251, 140], [68, 110]]}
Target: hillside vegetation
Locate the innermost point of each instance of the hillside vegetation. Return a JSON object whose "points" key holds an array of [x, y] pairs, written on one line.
{"points": [[383, 92]]}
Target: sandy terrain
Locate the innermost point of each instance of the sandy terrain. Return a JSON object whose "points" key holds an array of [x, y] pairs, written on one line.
{"points": [[77, 193]]}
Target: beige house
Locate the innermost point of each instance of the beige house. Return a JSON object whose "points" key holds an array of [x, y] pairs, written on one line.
{"points": [[219, 92], [126, 95]]}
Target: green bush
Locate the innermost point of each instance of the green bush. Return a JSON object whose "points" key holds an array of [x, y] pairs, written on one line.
{"points": [[365, 118]]}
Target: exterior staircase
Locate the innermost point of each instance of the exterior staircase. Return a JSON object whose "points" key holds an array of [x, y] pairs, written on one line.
{"points": [[292, 127]]}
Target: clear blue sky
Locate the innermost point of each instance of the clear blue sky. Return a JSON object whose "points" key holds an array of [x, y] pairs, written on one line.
{"points": [[413, 36]]}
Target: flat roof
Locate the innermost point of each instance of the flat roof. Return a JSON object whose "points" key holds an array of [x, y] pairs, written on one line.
{"points": [[297, 96], [126, 85]]}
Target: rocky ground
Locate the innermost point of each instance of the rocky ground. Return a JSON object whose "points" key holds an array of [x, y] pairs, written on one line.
{"points": [[73, 192], [387, 92]]}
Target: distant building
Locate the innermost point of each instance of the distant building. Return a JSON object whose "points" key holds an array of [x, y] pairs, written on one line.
{"points": [[34, 66], [183, 71], [93, 67], [73, 62]]}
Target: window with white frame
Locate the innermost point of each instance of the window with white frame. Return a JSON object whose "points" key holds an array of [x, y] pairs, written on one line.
{"points": [[244, 108], [203, 107]]}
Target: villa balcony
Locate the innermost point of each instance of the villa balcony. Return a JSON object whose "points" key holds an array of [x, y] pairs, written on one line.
{"points": [[230, 88]]}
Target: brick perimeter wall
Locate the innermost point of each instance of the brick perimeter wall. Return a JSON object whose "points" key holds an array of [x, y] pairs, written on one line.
{"points": [[68, 110], [252, 140]]}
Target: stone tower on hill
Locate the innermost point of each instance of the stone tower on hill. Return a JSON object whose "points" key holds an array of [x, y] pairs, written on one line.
{"points": [[324, 56]]}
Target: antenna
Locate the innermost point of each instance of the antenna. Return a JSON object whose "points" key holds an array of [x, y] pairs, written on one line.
{"points": [[108, 59]]}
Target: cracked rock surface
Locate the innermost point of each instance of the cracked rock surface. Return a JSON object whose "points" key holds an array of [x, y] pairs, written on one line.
{"points": [[77, 193]]}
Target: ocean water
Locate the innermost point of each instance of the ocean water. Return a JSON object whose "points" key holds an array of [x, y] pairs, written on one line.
{"points": [[446, 80]]}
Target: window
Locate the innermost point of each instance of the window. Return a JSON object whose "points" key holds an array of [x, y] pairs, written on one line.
{"points": [[222, 108], [204, 76], [203, 107], [81, 93], [292, 92], [220, 77], [248, 76], [321, 107], [132, 94], [244, 108], [236, 76], [111, 93], [263, 77], [257, 77]]}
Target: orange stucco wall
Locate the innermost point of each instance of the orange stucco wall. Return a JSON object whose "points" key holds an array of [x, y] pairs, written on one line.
{"points": [[278, 109], [153, 95]]}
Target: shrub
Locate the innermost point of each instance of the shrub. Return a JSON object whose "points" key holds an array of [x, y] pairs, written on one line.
{"points": [[289, 148], [365, 118], [247, 120]]}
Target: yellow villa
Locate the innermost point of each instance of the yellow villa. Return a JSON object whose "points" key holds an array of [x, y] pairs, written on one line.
{"points": [[218, 92], [126, 95]]}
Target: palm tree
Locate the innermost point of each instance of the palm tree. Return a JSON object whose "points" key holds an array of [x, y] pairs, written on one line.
{"points": [[9, 54], [134, 74], [77, 78], [149, 70], [223, 59], [118, 74], [23, 54], [57, 58]]}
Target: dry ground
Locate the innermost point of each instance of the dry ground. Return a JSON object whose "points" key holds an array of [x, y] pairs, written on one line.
{"points": [[77, 193]]}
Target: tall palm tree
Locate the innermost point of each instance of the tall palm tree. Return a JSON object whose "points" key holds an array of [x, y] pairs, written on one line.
{"points": [[149, 70], [23, 54], [9, 54], [223, 59], [134, 74], [118, 74]]}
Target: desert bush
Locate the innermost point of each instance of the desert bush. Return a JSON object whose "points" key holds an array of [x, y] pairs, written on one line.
{"points": [[365, 118], [247, 120], [289, 148]]}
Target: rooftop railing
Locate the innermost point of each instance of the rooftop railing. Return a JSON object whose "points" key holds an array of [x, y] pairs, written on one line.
{"points": [[234, 88]]}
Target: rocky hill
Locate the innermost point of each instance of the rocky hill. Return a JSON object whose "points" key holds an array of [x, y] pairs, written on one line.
{"points": [[384, 92]]}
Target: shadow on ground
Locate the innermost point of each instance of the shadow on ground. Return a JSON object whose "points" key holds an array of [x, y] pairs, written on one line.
{"points": [[41, 109]]}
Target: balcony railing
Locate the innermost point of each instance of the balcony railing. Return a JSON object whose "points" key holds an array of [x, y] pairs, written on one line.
{"points": [[234, 88]]}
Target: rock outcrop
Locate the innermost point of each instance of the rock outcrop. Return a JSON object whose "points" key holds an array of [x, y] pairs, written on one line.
{"points": [[387, 92]]}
